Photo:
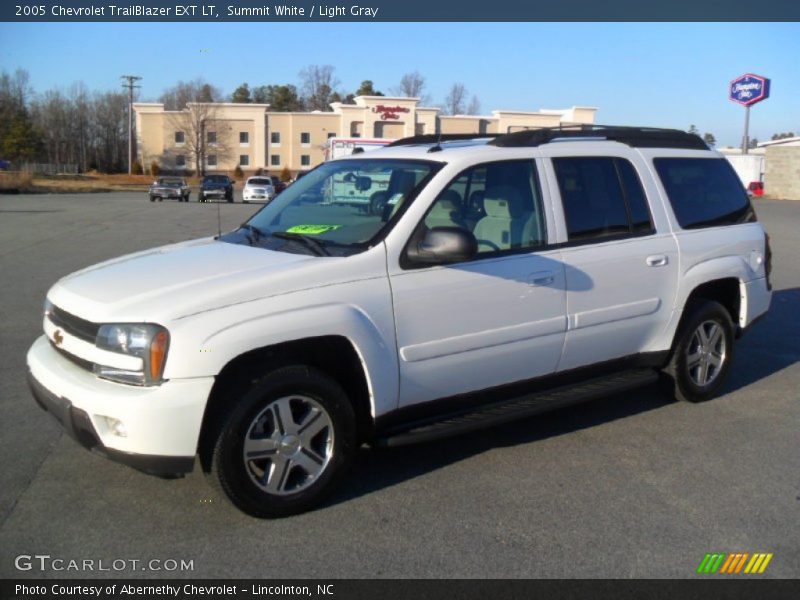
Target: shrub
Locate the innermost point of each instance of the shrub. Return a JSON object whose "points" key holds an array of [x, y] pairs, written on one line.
{"points": [[154, 169], [286, 174], [137, 168], [238, 173]]}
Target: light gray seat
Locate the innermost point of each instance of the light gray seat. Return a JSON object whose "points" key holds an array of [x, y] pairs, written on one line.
{"points": [[446, 211], [507, 220]]}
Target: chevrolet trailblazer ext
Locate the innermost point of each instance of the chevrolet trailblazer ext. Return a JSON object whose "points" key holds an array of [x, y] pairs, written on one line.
{"points": [[506, 275]]}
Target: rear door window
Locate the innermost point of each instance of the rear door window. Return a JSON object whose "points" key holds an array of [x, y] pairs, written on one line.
{"points": [[704, 192], [602, 198]]}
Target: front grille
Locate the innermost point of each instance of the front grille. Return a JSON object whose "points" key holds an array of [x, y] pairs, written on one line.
{"points": [[80, 328], [82, 363]]}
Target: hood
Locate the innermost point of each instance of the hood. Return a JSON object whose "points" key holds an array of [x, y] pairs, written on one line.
{"points": [[165, 283]]}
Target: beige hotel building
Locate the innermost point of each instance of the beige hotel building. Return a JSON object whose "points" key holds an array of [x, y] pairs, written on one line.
{"points": [[253, 137]]}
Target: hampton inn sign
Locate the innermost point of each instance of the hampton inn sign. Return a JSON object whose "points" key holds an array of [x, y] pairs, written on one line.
{"points": [[390, 112]]}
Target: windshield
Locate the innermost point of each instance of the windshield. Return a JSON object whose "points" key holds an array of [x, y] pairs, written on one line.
{"points": [[259, 181], [215, 179], [168, 181], [337, 208]]}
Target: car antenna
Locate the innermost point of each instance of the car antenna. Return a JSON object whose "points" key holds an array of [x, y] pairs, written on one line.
{"points": [[219, 222], [438, 146]]}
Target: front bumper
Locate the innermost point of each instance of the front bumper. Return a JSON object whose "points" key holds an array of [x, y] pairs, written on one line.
{"points": [[167, 193], [162, 423]]}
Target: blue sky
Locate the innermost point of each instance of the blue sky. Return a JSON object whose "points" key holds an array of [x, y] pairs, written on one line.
{"points": [[659, 74]]}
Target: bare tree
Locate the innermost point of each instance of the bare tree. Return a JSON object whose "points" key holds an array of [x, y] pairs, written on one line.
{"points": [[183, 92], [204, 134], [317, 85], [455, 102], [412, 85], [474, 106]]}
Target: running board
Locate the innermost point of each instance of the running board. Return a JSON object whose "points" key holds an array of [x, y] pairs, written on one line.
{"points": [[516, 408]]}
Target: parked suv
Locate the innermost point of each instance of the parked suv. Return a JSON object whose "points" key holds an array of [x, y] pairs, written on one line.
{"points": [[509, 275], [216, 186], [258, 188]]}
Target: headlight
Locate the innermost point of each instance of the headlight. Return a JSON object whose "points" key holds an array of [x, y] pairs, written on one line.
{"points": [[148, 341]]}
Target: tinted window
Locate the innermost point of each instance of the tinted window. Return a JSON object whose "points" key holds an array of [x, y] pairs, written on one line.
{"points": [[498, 202], [634, 194], [594, 205], [704, 192]]}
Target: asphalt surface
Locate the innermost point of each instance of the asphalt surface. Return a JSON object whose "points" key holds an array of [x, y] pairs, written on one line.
{"points": [[634, 485]]}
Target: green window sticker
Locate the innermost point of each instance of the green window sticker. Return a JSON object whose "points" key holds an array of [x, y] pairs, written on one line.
{"points": [[312, 229]]}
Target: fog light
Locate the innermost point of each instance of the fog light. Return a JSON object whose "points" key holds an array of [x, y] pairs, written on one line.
{"points": [[117, 427]]}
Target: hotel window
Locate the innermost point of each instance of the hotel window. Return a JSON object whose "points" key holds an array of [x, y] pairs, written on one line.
{"points": [[244, 160], [305, 160], [211, 137], [180, 138], [275, 137], [331, 134], [211, 160], [275, 160], [244, 138], [180, 160], [305, 138]]}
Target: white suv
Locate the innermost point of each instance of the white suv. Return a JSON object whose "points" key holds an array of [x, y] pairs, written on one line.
{"points": [[258, 188], [502, 276]]}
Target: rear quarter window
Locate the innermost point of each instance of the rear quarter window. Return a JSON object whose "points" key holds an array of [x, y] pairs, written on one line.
{"points": [[704, 192]]}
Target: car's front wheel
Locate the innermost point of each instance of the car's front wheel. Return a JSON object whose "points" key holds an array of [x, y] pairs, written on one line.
{"points": [[286, 443], [702, 353]]}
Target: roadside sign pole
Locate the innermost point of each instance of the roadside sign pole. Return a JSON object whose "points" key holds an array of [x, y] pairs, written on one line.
{"points": [[746, 139], [748, 89]]}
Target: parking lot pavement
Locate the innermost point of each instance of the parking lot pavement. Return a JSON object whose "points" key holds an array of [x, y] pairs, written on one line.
{"points": [[633, 485]]}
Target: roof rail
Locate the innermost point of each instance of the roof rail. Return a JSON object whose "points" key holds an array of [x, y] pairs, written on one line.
{"points": [[435, 138], [638, 137]]}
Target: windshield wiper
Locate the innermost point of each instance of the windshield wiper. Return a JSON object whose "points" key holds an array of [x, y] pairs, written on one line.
{"points": [[256, 231], [309, 242]]}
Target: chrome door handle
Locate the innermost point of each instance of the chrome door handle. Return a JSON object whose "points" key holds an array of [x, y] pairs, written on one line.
{"points": [[657, 260], [542, 278]]}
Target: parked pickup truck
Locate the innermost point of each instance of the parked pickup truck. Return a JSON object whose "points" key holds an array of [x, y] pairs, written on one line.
{"points": [[515, 273]]}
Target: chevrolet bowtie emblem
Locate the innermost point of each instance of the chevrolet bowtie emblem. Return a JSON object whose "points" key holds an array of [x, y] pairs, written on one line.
{"points": [[57, 337]]}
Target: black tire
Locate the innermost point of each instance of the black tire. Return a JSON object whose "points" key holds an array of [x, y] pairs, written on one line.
{"points": [[152, 199], [684, 375], [229, 197], [201, 198], [237, 477]]}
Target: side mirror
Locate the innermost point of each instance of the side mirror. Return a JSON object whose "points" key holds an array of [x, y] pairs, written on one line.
{"points": [[444, 245]]}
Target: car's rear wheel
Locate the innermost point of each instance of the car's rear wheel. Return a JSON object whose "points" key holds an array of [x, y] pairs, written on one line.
{"points": [[286, 443], [702, 353]]}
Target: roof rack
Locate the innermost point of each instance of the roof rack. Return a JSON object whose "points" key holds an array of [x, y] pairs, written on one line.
{"points": [[637, 137], [435, 138]]}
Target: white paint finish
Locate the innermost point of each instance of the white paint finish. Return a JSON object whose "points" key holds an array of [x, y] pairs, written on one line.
{"points": [[476, 325], [617, 303], [610, 314], [163, 420], [483, 339]]}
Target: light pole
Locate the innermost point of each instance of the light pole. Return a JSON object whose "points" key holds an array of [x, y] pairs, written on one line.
{"points": [[131, 80]]}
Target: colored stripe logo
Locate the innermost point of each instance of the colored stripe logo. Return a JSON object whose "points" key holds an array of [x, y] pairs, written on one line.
{"points": [[735, 563]]}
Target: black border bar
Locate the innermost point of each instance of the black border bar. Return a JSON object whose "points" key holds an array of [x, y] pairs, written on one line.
{"points": [[711, 586], [405, 10]]}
